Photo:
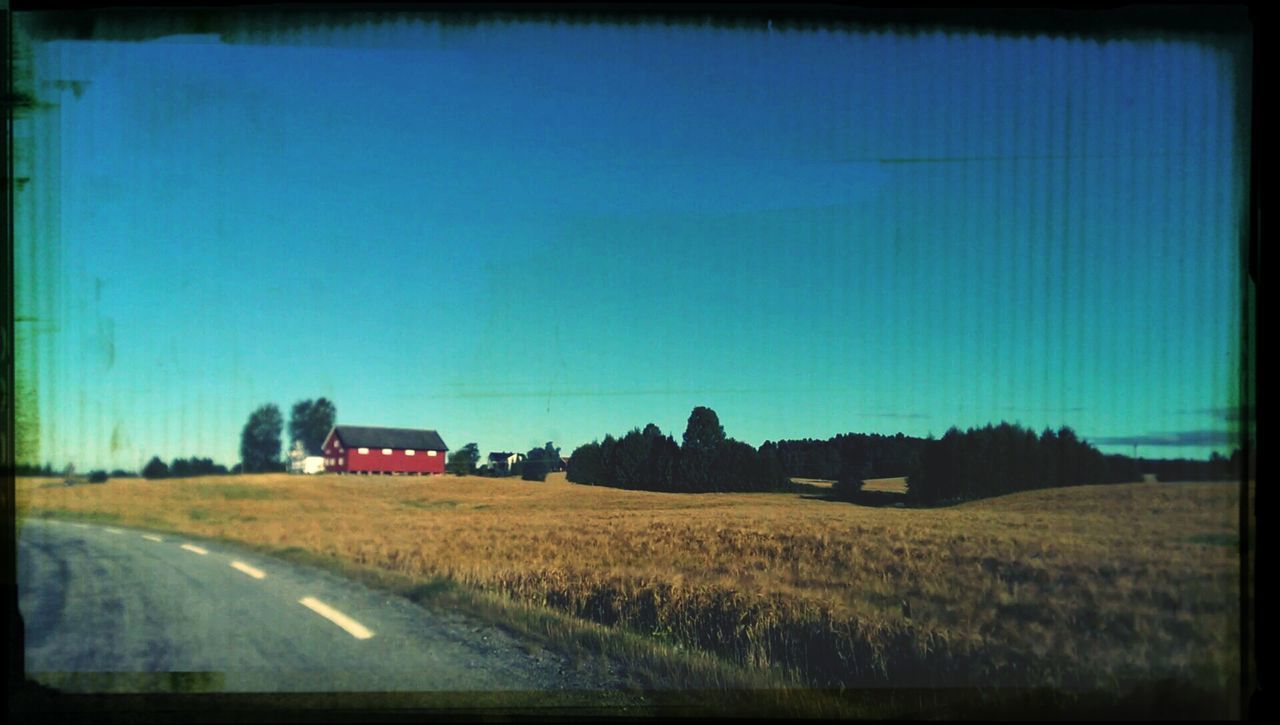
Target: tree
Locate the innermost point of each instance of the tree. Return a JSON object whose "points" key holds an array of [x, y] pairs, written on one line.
{"points": [[260, 440], [310, 421], [703, 437], [736, 467], [155, 468], [539, 462], [662, 461], [551, 454], [586, 465], [462, 462], [534, 469]]}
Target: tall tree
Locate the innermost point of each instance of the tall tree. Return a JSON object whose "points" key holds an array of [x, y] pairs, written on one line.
{"points": [[310, 422], [462, 462], [260, 440], [703, 438]]}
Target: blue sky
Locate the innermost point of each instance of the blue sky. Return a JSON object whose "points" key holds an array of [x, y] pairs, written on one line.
{"points": [[525, 232]]}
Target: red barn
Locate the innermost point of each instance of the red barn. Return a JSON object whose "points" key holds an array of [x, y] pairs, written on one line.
{"points": [[361, 449]]}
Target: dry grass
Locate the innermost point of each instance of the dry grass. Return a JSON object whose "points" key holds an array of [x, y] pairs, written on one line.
{"points": [[886, 485], [1093, 588]]}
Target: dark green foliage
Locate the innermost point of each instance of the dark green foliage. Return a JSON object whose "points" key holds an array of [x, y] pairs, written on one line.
{"points": [[183, 467], [27, 469], [310, 421], [97, 477], [548, 456], [551, 456], [662, 460], [538, 462], [121, 473], [586, 464], [648, 460], [534, 470], [260, 440], [1000, 459], [627, 460], [735, 467], [155, 468], [703, 437], [843, 456], [462, 462]]}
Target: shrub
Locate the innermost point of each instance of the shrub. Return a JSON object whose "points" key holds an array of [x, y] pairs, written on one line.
{"points": [[534, 470], [98, 477], [155, 468]]}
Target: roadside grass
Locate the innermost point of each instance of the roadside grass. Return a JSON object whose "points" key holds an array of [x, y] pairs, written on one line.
{"points": [[1086, 597]]}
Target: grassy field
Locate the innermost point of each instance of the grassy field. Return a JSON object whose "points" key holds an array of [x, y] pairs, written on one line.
{"points": [[886, 485], [1102, 589]]}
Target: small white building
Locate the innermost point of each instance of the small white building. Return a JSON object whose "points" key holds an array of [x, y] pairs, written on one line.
{"points": [[300, 462]]}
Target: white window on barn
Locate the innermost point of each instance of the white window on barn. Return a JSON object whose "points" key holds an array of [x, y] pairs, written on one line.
{"points": [[386, 451], [431, 453], [364, 450], [411, 452], [340, 463]]}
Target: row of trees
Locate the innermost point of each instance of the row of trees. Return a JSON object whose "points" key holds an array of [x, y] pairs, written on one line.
{"points": [[183, 467], [1004, 458], [988, 461], [705, 460]]}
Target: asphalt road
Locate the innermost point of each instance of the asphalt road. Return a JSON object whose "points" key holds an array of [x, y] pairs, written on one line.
{"points": [[108, 608]]}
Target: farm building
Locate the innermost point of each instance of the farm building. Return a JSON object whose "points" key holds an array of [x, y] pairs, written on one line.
{"points": [[388, 451]]}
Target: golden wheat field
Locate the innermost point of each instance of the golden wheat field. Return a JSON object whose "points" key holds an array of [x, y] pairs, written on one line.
{"points": [[1092, 588]]}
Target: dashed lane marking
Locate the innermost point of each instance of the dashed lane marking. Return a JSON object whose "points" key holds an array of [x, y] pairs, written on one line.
{"points": [[110, 530], [195, 549], [354, 628], [255, 573], [150, 537]]}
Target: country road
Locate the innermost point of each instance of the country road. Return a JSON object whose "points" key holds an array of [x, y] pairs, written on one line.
{"points": [[104, 599]]}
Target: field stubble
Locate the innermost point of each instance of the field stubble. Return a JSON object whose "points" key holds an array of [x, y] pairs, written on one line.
{"points": [[1095, 588]]}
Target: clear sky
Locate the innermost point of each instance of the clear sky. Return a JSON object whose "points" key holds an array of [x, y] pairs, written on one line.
{"points": [[516, 233]]}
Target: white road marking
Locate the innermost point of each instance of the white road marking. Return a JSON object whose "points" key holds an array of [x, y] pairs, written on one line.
{"points": [[149, 537], [110, 530], [255, 573], [196, 549], [354, 628], [80, 526]]}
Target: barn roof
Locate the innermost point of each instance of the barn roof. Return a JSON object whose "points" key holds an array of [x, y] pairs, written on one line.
{"points": [[362, 436]]}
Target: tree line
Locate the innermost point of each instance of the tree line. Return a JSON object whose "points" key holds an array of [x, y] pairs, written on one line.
{"points": [[992, 460], [705, 460]]}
